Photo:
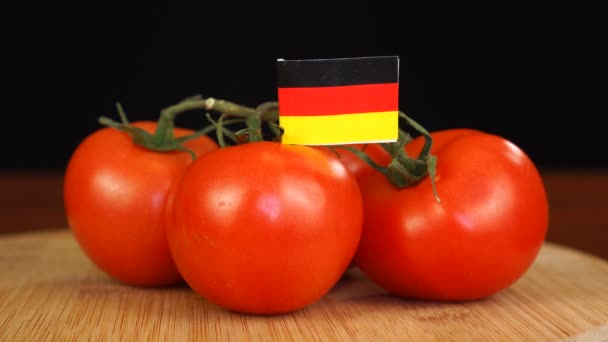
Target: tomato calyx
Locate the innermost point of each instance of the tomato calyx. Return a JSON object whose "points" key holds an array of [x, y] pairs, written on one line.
{"points": [[163, 140], [403, 170]]}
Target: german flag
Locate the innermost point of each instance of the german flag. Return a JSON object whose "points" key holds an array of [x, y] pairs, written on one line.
{"points": [[339, 101]]}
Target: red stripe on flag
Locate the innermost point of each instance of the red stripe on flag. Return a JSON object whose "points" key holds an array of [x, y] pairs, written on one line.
{"points": [[361, 98]]}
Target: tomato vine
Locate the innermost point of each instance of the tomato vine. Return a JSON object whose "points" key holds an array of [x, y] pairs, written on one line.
{"points": [[403, 170]]}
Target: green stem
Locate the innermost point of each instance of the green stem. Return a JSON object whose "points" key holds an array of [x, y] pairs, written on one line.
{"points": [[164, 131], [361, 154], [254, 122], [162, 141], [220, 130], [410, 171], [222, 106], [198, 133], [276, 130], [122, 114], [404, 171], [428, 140]]}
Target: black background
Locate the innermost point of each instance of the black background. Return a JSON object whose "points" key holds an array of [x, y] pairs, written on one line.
{"points": [[528, 73]]}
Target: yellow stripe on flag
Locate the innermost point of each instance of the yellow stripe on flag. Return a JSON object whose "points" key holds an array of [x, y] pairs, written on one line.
{"points": [[340, 129]]}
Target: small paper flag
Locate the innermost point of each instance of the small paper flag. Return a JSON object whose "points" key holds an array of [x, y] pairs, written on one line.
{"points": [[339, 101]]}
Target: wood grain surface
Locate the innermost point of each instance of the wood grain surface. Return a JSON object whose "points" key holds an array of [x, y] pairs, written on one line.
{"points": [[50, 291]]}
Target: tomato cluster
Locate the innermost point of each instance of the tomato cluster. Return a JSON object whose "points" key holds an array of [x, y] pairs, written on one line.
{"points": [[264, 227]]}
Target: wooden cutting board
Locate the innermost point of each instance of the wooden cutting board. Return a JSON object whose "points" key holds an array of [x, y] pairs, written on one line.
{"points": [[50, 291]]}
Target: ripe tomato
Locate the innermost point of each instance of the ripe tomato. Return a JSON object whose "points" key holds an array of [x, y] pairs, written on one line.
{"points": [[357, 166], [440, 138], [264, 227], [115, 194], [479, 239]]}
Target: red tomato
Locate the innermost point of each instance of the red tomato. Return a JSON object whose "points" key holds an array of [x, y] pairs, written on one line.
{"points": [[483, 235], [357, 166], [264, 227], [115, 194], [440, 138]]}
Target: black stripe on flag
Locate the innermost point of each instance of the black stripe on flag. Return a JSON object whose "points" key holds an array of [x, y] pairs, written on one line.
{"points": [[337, 71]]}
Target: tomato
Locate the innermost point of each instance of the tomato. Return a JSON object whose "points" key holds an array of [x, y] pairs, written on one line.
{"points": [[483, 234], [115, 194], [357, 166], [440, 138], [264, 227]]}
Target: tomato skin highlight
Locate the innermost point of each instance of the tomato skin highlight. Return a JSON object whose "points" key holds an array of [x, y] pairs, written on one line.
{"points": [[264, 228], [482, 237], [114, 196]]}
